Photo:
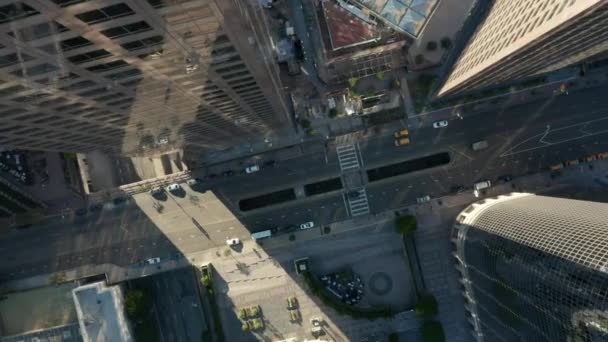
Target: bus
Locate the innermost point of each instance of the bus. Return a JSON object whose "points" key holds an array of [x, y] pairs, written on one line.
{"points": [[264, 234]]}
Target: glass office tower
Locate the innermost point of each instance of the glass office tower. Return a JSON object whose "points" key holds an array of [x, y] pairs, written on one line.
{"points": [[534, 268]]}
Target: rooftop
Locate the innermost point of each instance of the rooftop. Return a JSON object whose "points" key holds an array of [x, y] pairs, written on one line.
{"points": [[407, 16], [347, 27], [100, 313]]}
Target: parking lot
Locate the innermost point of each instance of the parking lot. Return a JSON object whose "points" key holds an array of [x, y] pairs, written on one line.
{"points": [[266, 278]]}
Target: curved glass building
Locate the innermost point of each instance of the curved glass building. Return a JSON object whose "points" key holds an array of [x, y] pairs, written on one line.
{"points": [[534, 268]]}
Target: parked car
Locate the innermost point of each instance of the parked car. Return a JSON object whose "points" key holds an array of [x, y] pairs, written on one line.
{"points": [[457, 189], [174, 187], [307, 225], [232, 242], [81, 211], [269, 163], [252, 169], [96, 207], [290, 228], [482, 185], [153, 261], [440, 124], [423, 199], [228, 173], [571, 162], [402, 141], [505, 178], [155, 191], [401, 133]]}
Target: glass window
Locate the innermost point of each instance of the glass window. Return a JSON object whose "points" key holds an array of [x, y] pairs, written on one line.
{"points": [[125, 30], [66, 3], [74, 43], [89, 56], [39, 31], [36, 70], [13, 58], [143, 43], [105, 14], [107, 66], [15, 11]]}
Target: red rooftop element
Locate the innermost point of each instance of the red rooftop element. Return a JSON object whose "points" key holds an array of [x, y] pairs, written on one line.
{"points": [[345, 29]]}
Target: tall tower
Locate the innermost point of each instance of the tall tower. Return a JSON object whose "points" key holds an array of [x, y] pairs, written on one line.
{"points": [[520, 38], [534, 268], [122, 76]]}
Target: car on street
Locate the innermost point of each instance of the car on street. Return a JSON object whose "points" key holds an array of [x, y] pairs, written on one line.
{"points": [[440, 124], [482, 185], [505, 178], [456, 189], [269, 163], [401, 133], [155, 191], [233, 242], [174, 187], [423, 199], [228, 173], [290, 228], [153, 261], [307, 225], [96, 207], [252, 169], [354, 194], [571, 162], [81, 211], [402, 141]]}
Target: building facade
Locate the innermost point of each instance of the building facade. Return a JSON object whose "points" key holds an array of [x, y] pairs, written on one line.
{"points": [[534, 268], [124, 76], [519, 39]]}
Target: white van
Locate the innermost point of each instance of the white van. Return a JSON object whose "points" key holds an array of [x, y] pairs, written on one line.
{"points": [[265, 234], [480, 186]]}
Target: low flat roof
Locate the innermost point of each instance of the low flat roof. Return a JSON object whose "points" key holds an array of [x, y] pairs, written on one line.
{"points": [[101, 313], [346, 29]]}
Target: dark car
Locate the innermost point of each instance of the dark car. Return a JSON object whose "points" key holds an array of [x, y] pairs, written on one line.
{"points": [[354, 194], [290, 228], [505, 178], [269, 163], [210, 176], [457, 189], [119, 200], [23, 226], [96, 207], [81, 211], [228, 173]]}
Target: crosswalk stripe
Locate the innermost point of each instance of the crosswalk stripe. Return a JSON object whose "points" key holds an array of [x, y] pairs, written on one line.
{"points": [[347, 157], [358, 206]]}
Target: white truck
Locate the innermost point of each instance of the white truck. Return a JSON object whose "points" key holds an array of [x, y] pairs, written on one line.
{"points": [[480, 186], [480, 145]]}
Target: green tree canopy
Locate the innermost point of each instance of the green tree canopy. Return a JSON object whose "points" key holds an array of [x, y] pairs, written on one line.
{"points": [[405, 224], [137, 305], [426, 307], [432, 331]]}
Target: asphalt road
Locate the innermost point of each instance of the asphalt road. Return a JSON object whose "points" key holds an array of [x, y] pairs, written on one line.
{"points": [[523, 139], [176, 304]]}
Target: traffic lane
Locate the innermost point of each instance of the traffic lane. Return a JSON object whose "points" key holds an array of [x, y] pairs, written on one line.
{"points": [[403, 190], [321, 210], [277, 178], [426, 140]]}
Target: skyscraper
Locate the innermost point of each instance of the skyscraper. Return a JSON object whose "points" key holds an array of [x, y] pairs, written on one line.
{"points": [[121, 76], [520, 38], [534, 268]]}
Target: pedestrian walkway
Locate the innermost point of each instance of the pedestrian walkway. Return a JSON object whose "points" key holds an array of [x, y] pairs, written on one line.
{"points": [[347, 156], [357, 204]]}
